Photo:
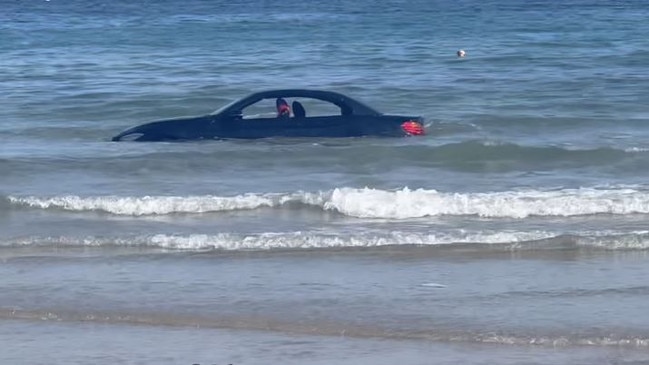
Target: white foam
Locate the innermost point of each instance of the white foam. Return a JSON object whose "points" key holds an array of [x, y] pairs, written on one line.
{"points": [[636, 149], [376, 203], [636, 240], [150, 205], [285, 240], [434, 285], [406, 203], [515, 240]]}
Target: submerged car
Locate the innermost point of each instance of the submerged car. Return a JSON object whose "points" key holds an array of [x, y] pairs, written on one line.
{"points": [[269, 114]]}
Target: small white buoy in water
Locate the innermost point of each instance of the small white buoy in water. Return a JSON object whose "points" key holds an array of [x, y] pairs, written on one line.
{"points": [[461, 53]]}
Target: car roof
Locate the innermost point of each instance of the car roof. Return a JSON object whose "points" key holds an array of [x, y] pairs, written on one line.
{"points": [[343, 101]]}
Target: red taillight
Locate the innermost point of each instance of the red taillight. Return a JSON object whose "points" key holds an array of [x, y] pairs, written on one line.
{"points": [[413, 128]]}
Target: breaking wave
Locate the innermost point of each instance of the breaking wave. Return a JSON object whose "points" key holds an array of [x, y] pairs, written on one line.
{"points": [[371, 203], [492, 241]]}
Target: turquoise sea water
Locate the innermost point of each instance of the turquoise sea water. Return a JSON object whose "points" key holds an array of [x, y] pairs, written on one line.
{"points": [[513, 232]]}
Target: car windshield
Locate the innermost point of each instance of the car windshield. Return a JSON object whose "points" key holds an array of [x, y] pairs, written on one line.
{"points": [[221, 109]]}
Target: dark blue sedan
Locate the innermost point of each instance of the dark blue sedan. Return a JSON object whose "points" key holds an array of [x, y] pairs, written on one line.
{"points": [[281, 113]]}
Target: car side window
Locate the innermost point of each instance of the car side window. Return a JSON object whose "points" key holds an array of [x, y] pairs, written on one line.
{"points": [[317, 108], [306, 107]]}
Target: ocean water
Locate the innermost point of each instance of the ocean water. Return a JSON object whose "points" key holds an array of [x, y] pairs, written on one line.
{"points": [[514, 232]]}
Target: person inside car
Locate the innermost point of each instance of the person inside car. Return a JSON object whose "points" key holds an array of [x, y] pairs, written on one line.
{"points": [[283, 110]]}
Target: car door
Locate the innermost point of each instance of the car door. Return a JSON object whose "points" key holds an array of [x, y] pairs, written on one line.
{"points": [[328, 126]]}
